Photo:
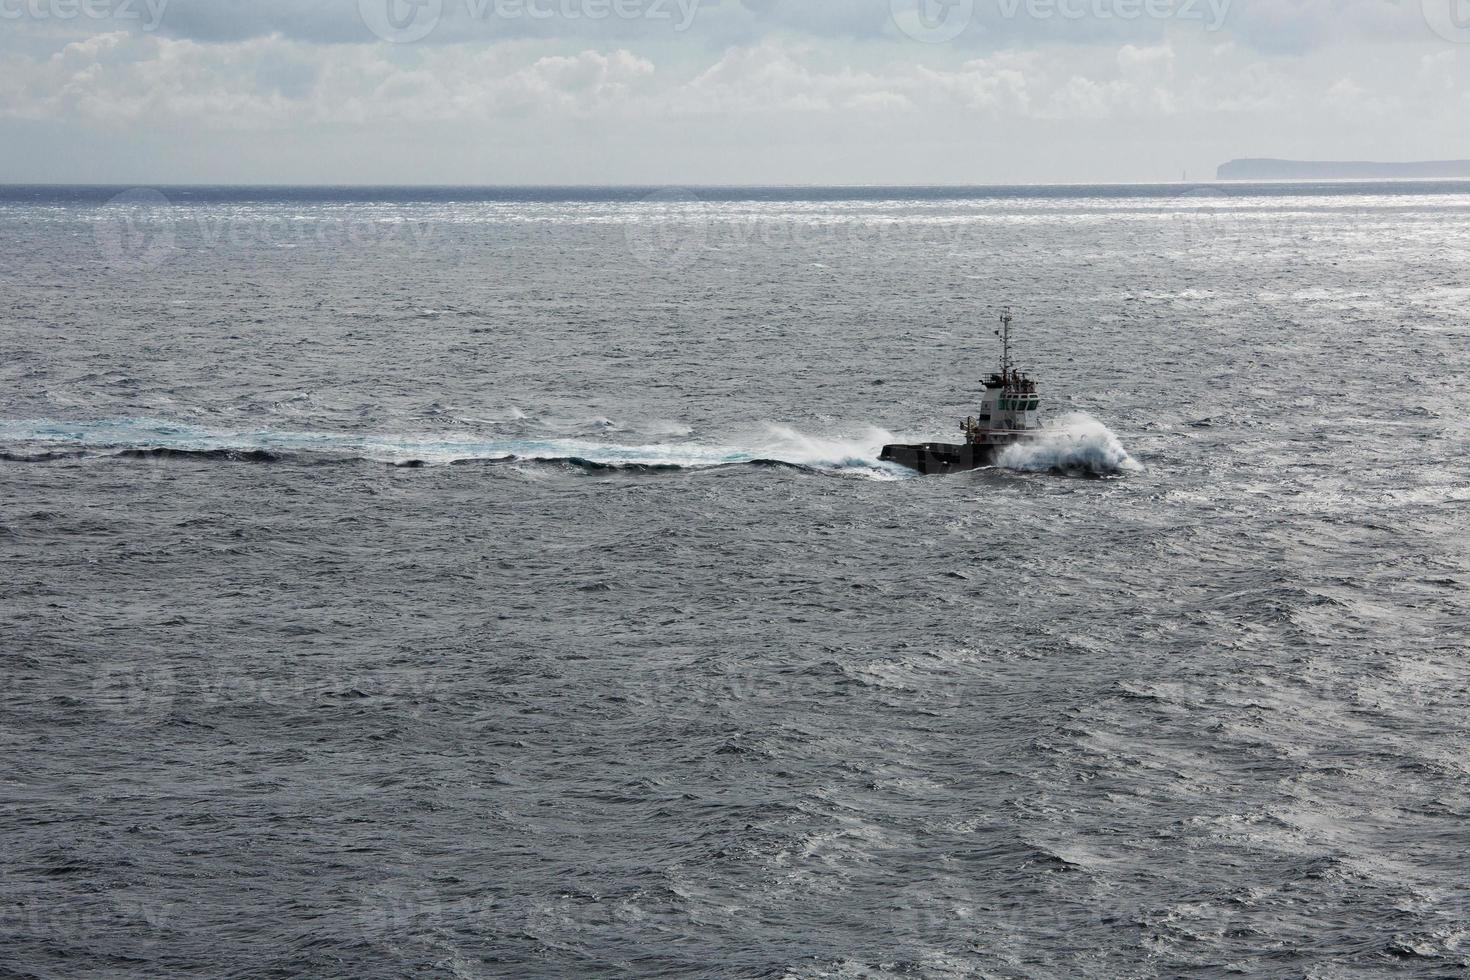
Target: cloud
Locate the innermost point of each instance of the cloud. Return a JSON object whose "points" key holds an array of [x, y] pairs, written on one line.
{"points": [[125, 78], [1270, 26], [824, 90], [776, 77]]}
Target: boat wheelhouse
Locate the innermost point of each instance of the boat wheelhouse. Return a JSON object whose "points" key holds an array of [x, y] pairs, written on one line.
{"points": [[1008, 414]]}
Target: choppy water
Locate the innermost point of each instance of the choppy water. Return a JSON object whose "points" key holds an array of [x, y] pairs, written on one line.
{"points": [[505, 584]]}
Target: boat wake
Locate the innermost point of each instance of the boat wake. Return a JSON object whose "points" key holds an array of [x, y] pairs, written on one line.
{"points": [[40, 441], [1075, 444]]}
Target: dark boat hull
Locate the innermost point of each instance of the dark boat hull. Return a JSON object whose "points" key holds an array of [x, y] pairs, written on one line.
{"points": [[936, 459]]}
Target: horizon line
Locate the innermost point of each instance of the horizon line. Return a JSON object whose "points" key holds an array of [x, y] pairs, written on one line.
{"points": [[743, 186]]}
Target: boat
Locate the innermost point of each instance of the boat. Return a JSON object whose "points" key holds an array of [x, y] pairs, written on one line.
{"points": [[1008, 416]]}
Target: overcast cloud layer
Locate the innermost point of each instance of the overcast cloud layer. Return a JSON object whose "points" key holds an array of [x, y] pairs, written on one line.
{"points": [[721, 91]]}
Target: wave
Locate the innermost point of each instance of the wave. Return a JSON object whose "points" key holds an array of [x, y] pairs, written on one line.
{"points": [[1077, 445], [780, 446]]}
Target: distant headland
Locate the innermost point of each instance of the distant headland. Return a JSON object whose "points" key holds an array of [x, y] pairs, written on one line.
{"points": [[1260, 169]]}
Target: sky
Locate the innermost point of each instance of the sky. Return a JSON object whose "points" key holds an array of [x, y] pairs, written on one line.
{"points": [[699, 92]]}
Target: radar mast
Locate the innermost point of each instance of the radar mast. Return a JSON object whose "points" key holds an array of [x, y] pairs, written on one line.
{"points": [[1004, 333]]}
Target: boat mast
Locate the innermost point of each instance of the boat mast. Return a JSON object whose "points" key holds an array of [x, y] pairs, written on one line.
{"points": [[1005, 344]]}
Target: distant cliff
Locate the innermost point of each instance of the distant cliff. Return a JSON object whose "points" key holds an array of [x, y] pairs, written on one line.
{"points": [[1313, 170]]}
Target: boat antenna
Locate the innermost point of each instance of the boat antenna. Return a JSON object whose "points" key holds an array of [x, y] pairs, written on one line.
{"points": [[1004, 333]]}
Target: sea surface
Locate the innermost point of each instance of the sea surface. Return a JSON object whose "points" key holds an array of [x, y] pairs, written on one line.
{"points": [[504, 583]]}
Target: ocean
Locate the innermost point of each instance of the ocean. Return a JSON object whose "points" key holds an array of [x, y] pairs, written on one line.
{"points": [[504, 583]]}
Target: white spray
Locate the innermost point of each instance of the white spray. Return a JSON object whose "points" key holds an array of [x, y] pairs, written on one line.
{"points": [[1074, 443]]}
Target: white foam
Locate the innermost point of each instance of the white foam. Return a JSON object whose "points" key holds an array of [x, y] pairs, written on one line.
{"points": [[858, 456], [1073, 443], [787, 445]]}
